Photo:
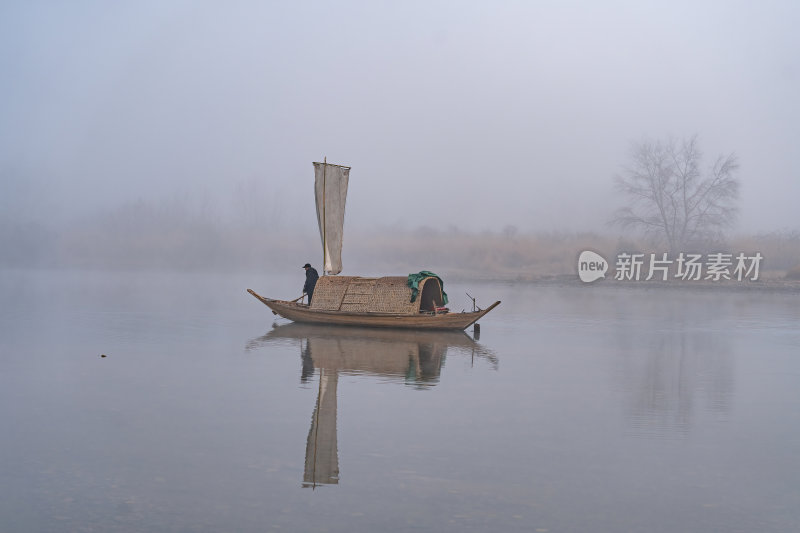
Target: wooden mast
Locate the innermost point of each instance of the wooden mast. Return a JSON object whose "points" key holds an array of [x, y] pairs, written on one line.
{"points": [[324, 220]]}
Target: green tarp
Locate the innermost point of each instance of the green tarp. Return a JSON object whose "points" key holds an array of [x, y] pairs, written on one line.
{"points": [[414, 279]]}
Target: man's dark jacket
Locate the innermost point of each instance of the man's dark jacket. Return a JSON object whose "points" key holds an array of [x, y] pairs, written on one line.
{"points": [[311, 281]]}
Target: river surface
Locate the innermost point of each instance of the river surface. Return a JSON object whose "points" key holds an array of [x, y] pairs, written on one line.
{"points": [[597, 408]]}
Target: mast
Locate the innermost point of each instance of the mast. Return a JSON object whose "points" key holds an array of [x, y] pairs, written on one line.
{"points": [[324, 221]]}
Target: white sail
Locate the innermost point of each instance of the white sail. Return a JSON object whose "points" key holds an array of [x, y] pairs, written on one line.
{"points": [[330, 187]]}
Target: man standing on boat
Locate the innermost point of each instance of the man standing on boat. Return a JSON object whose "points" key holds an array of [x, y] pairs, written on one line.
{"points": [[311, 281]]}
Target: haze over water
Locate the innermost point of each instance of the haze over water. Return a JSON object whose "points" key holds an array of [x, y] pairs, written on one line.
{"points": [[145, 145], [580, 408]]}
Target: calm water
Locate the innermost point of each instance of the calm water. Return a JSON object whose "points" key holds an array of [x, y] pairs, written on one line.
{"points": [[598, 408]]}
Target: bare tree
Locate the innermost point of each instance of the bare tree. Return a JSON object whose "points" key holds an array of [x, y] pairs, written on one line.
{"points": [[672, 199]]}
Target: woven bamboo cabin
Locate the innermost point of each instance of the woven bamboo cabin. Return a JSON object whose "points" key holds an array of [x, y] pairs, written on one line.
{"points": [[353, 294], [375, 302]]}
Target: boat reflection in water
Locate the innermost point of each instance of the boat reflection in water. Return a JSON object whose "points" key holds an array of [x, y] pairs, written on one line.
{"points": [[414, 358]]}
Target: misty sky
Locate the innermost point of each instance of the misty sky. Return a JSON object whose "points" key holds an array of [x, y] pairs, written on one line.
{"points": [[467, 114]]}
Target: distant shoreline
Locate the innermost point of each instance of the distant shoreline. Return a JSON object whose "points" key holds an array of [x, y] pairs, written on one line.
{"points": [[766, 284]]}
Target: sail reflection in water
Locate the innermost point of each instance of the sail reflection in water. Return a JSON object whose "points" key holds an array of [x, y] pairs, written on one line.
{"points": [[414, 358]]}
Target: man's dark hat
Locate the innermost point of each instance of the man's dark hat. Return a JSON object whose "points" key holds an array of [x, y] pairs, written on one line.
{"points": [[306, 266]]}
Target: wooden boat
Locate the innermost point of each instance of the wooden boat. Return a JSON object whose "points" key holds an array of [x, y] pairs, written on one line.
{"points": [[387, 302], [375, 302]]}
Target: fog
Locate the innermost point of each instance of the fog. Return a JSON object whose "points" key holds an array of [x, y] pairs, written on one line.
{"points": [[156, 162], [472, 116]]}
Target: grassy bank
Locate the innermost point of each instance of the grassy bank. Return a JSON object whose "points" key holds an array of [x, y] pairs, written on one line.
{"points": [[538, 256], [196, 243]]}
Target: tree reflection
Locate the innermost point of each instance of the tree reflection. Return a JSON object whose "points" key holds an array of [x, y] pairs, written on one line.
{"points": [[671, 376]]}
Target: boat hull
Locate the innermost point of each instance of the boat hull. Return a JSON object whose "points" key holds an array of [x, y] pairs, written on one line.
{"points": [[297, 312]]}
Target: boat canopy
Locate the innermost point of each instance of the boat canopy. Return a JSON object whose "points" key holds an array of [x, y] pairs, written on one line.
{"points": [[391, 294]]}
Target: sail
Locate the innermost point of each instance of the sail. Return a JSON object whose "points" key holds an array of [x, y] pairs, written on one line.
{"points": [[330, 187]]}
